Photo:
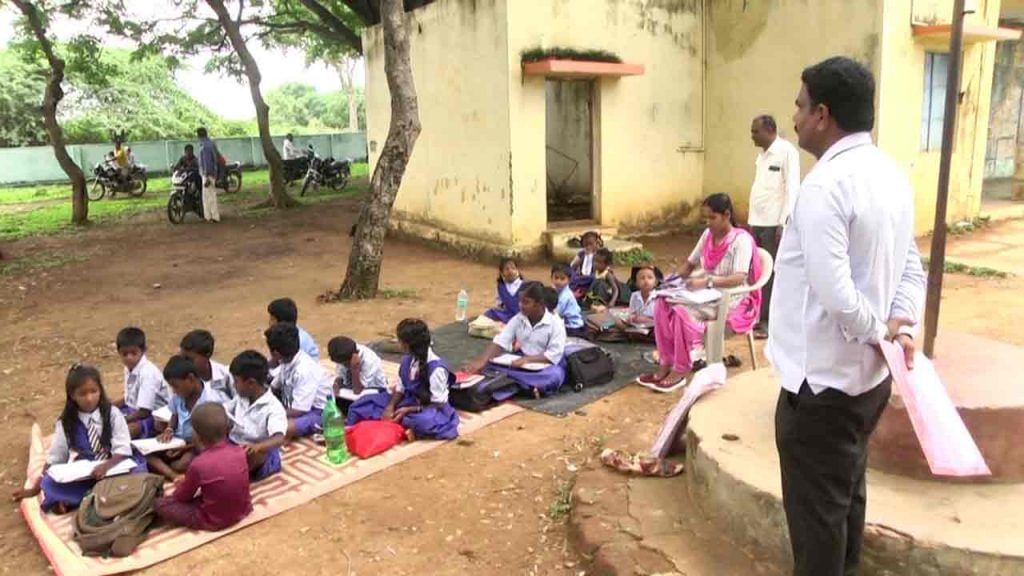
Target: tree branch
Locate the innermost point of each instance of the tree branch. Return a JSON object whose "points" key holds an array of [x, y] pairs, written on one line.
{"points": [[330, 20]]}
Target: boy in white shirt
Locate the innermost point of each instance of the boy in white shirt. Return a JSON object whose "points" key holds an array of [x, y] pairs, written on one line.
{"points": [[145, 390], [198, 345], [259, 421], [361, 378], [303, 386]]}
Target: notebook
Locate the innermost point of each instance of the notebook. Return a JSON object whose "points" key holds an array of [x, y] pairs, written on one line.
{"points": [[82, 469], [508, 359], [148, 446]]}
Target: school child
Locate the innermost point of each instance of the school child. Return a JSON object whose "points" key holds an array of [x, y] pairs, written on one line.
{"points": [[198, 346], [89, 428], [509, 281], [299, 381], [214, 494], [641, 302], [583, 264], [420, 400], [145, 389], [190, 392], [568, 308], [604, 289], [541, 338], [285, 310], [258, 419], [359, 370]]}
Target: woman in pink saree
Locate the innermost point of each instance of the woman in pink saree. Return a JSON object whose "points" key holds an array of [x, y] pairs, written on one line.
{"points": [[728, 255]]}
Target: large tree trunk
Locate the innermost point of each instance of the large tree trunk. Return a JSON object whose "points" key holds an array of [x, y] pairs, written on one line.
{"points": [[51, 99], [279, 197], [363, 275], [347, 72]]}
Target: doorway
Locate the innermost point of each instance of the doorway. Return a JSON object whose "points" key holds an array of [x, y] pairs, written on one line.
{"points": [[569, 113]]}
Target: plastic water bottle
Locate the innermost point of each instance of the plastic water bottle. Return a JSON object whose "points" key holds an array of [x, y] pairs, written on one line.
{"points": [[461, 304], [334, 432]]}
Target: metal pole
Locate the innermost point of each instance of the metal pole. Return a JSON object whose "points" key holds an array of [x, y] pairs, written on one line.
{"points": [[938, 254]]}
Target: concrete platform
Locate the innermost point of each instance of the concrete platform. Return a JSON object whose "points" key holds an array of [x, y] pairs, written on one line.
{"points": [[557, 237], [915, 527], [982, 378]]}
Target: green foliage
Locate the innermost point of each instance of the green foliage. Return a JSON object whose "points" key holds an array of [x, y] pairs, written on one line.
{"points": [[634, 257], [953, 267], [560, 507], [35, 262], [537, 54], [137, 95], [299, 108]]}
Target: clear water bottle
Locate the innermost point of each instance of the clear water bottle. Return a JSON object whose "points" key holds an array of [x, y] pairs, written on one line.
{"points": [[461, 304], [334, 432]]}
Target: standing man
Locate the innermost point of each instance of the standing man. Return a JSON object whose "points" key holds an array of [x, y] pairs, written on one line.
{"points": [[772, 196], [208, 166], [849, 276]]}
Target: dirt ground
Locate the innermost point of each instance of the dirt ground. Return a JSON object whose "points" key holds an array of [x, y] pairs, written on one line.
{"points": [[480, 504]]}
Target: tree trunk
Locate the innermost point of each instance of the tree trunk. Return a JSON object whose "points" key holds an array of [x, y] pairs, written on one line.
{"points": [[51, 99], [363, 275], [353, 110], [347, 73], [279, 197]]}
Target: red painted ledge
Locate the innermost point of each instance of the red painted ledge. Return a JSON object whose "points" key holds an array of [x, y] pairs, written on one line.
{"points": [[555, 68]]}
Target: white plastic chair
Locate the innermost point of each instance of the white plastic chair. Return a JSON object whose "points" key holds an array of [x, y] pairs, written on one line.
{"points": [[714, 335]]}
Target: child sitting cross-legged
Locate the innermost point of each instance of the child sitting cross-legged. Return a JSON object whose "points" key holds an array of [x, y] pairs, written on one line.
{"points": [[214, 494], [259, 422], [509, 281], [360, 373], [145, 389], [89, 428], [189, 393], [420, 400], [299, 381], [604, 289], [568, 309], [285, 310]]}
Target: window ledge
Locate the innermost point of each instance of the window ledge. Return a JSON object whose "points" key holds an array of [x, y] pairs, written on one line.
{"points": [[938, 35]]}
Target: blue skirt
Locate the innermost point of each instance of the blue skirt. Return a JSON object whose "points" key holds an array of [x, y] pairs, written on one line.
{"points": [[367, 407], [145, 425], [440, 422], [308, 423], [271, 465], [500, 315], [70, 494], [546, 381]]}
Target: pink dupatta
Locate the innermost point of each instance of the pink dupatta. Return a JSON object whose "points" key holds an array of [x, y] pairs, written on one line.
{"points": [[744, 315]]}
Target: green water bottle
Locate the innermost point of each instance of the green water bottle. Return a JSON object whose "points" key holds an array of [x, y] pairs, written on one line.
{"points": [[334, 432]]}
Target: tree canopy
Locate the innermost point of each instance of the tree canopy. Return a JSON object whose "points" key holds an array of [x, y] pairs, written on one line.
{"points": [[300, 108]]}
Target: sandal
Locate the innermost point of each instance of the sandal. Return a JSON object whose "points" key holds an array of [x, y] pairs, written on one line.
{"points": [[647, 379], [640, 465], [666, 385]]}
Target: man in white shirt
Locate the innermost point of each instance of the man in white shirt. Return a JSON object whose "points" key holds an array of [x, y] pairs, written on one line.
{"points": [[772, 195], [291, 151], [848, 276]]}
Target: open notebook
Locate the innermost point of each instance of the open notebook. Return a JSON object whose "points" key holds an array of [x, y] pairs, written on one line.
{"points": [[508, 359], [82, 469]]}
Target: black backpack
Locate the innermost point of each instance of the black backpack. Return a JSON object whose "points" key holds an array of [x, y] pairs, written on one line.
{"points": [[480, 396], [590, 366]]}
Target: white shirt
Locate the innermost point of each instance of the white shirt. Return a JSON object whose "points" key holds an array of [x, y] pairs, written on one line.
{"points": [[438, 379], [120, 437], [145, 387], [303, 383], [847, 263], [221, 380], [257, 421], [637, 304], [547, 337], [776, 184], [371, 372], [291, 150]]}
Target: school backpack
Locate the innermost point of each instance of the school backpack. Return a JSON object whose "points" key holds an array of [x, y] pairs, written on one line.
{"points": [[114, 518], [589, 366], [480, 395]]}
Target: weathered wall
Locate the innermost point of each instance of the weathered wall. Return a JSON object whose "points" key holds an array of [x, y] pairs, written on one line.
{"points": [[756, 51], [456, 187], [901, 89], [648, 171], [569, 139], [1006, 109]]}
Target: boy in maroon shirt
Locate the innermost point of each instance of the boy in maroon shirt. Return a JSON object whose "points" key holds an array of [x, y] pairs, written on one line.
{"points": [[220, 475]]}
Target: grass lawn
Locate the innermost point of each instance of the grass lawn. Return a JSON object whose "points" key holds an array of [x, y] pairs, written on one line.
{"points": [[49, 218]]}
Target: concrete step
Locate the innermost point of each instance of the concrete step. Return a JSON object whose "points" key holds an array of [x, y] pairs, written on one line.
{"points": [[558, 235]]}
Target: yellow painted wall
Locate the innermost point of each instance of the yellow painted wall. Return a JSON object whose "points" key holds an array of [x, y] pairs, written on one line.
{"points": [[901, 85], [756, 52], [456, 186], [645, 176]]}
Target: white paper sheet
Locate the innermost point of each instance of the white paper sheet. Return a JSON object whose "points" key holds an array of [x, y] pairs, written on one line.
{"points": [[147, 446], [82, 469], [704, 381], [508, 359], [162, 414]]}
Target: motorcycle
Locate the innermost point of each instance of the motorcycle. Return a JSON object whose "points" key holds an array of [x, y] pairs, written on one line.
{"points": [[295, 169], [108, 178], [327, 172], [230, 177], [186, 195]]}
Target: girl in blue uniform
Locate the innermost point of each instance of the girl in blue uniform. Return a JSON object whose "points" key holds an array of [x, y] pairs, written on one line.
{"points": [[420, 400], [509, 281]]}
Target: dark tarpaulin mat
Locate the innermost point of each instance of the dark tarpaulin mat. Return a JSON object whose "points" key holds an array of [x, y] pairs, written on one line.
{"points": [[453, 343]]}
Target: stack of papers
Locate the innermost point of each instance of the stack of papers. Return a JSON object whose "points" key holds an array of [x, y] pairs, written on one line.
{"points": [[508, 359], [148, 446], [162, 414], [82, 469], [686, 296]]}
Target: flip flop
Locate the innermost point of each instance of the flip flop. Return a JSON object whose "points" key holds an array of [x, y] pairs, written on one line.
{"points": [[640, 465], [647, 379]]}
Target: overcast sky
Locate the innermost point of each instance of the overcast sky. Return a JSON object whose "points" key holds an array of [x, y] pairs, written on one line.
{"points": [[223, 95]]}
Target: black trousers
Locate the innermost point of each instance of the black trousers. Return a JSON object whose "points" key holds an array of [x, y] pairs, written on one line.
{"points": [[767, 237], [822, 442]]}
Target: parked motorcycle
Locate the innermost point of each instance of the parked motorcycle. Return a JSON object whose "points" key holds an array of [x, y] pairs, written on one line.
{"points": [[231, 177], [327, 172], [108, 179], [186, 195], [295, 169]]}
